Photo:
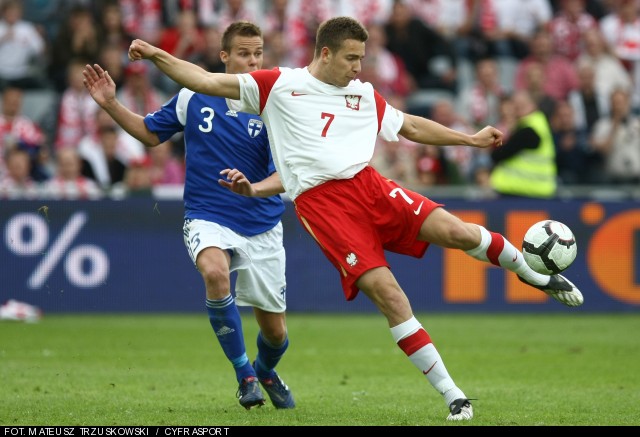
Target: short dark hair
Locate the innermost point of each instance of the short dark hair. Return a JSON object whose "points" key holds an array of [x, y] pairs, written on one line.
{"points": [[239, 28], [335, 31]]}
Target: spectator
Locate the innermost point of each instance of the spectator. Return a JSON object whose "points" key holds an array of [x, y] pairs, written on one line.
{"points": [[428, 57], [572, 147], [480, 101], [507, 117], [138, 179], [77, 110], [236, 10], [68, 182], [367, 12], [184, 40], [142, 18], [559, 74], [525, 164], [396, 160], [76, 39], [505, 28], [100, 158], [568, 27], [534, 83], [302, 20], [166, 169], [111, 28], [22, 48], [111, 56], [617, 137], [587, 105], [450, 18], [383, 69], [596, 8], [126, 148], [17, 182], [16, 129], [482, 163], [601, 70], [209, 57], [138, 93], [457, 160], [430, 166], [621, 31], [289, 29]]}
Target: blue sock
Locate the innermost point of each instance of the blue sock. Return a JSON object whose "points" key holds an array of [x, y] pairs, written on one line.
{"points": [[227, 325], [268, 356]]}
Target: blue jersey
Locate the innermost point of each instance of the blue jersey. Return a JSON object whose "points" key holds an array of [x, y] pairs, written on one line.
{"points": [[217, 137]]}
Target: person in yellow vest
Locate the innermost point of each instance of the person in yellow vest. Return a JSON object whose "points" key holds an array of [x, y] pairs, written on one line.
{"points": [[525, 165]]}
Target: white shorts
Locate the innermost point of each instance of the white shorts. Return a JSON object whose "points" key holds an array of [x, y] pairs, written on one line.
{"points": [[259, 260]]}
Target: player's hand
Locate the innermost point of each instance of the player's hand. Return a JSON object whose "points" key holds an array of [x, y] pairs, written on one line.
{"points": [[237, 182], [488, 137], [99, 84], [141, 50]]}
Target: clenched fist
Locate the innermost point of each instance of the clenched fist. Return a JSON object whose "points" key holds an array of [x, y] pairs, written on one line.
{"points": [[141, 50]]}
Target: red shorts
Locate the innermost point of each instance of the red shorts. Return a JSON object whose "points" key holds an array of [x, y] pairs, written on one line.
{"points": [[355, 220]]}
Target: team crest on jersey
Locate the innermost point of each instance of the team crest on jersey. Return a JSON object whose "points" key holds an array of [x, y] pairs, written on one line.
{"points": [[351, 259], [353, 102], [254, 127]]}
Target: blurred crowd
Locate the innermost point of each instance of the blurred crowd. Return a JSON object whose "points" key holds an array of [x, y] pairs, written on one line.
{"points": [[458, 62]]}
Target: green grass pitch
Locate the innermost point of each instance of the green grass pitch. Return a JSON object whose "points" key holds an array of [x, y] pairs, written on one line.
{"points": [[90, 370]]}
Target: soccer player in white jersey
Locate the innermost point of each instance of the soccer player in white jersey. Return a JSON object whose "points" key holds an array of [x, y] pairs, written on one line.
{"points": [[322, 125], [225, 232]]}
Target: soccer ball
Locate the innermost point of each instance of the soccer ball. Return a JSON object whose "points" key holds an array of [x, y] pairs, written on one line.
{"points": [[549, 247]]}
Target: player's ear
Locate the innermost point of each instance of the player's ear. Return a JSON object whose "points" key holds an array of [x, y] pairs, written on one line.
{"points": [[224, 57]]}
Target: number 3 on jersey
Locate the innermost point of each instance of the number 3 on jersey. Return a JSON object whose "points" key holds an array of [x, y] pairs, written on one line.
{"points": [[207, 120]]}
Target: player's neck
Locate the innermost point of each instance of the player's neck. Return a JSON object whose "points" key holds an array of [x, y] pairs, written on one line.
{"points": [[315, 70]]}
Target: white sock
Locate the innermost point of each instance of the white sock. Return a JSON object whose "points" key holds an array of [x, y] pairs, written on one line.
{"points": [[497, 250], [416, 343]]}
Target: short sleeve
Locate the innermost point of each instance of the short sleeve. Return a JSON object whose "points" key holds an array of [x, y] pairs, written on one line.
{"points": [[249, 94], [391, 123]]}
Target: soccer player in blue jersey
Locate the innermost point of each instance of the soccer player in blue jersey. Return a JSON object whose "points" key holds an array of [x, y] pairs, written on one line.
{"points": [[225, 232]]}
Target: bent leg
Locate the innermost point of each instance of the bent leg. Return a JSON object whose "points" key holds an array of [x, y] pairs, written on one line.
{"points": [[447, 230]]}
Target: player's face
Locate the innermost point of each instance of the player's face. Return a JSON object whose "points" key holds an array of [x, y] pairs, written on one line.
{"points": [[345, 64], [245, 55]]}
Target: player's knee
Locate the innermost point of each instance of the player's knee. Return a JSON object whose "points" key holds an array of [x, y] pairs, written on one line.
{"points": [[275, 335], [389, 299], [216, 279], [460, 236]]}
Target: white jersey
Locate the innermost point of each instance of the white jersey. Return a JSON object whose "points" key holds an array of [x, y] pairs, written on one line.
{"points": [[317, 132]]}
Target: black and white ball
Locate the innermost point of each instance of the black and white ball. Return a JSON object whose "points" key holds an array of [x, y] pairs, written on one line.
{"points": [[549, 247]]}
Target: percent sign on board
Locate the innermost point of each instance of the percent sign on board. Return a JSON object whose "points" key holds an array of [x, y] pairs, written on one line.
{"points": [[27, 234]]}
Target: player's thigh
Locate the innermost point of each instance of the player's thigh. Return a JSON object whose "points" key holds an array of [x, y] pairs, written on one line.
{"points": [[263, 283], [213, 263], [446, 230], [200, 235]]}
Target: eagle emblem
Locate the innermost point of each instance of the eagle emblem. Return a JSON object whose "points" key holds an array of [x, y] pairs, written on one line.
{"points": [[351, 259], [353, 102]]}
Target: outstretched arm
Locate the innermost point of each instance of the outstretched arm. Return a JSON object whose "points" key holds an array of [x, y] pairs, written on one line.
{"points": [[424, 131], [103, 90], [185, 73], [237, 182]]}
